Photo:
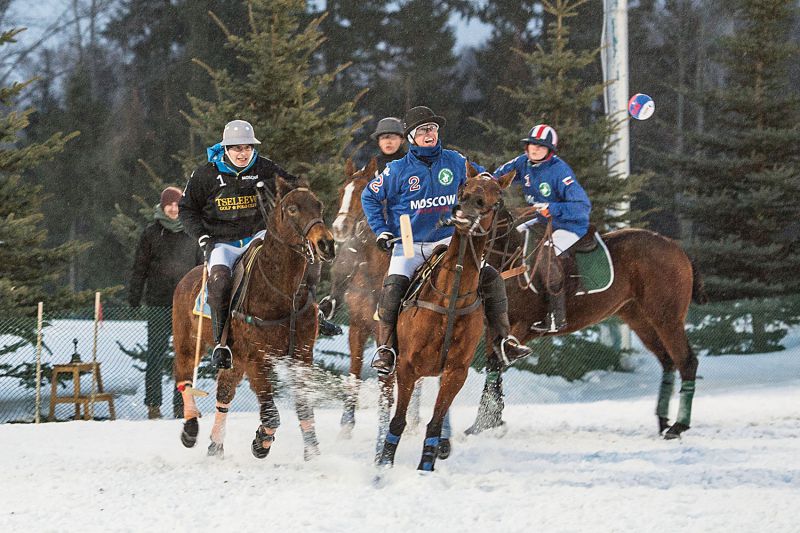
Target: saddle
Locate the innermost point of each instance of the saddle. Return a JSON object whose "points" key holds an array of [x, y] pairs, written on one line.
{"points": [[422, 275], [586, 265], [240, 279]]}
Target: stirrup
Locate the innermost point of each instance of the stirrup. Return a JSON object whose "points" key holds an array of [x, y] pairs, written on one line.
{"points": [[221, 357], [377, 359], [327, 306], [512, 339], [326, 328]]}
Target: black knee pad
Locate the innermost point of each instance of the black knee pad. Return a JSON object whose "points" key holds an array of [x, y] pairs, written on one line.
{"points": [[219, 286], [394, 288], [492, 289]]}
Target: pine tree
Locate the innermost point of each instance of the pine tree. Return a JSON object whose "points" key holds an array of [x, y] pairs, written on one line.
{"points": [[280, 95], [744, 178], [30, 271], [561, 97]]}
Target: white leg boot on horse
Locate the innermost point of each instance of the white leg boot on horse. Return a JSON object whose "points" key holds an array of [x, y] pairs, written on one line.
{"points": [[219, 295], [495, 307], [394, 288]]}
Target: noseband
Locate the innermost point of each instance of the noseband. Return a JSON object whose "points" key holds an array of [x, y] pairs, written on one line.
{"points": [[305, 247]]}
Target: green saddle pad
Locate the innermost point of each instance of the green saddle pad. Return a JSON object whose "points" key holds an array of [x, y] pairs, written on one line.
{"points": [[595, 269]]}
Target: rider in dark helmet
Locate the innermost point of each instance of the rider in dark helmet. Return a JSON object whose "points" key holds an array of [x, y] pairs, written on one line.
{"points": [[550, 186], [219, 208], [428, 177]]}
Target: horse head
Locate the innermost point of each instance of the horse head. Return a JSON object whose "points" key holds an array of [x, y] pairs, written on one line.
{"points": [[297, 220], [478, 201], [350, 220]]}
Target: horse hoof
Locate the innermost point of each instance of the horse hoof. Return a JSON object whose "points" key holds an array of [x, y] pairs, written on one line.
{"points": [[189, 434], [443, 452], [663, 424], [216, 450], [675, 431]]}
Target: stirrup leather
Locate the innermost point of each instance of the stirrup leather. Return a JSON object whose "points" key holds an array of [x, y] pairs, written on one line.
{"points": [[376, 357]]}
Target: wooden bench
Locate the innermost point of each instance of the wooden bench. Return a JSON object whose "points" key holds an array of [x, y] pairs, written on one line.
{"points": [[76, 369]]}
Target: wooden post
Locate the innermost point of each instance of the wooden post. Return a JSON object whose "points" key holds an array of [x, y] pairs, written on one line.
{"points": [[37, 413], [94, 354]]}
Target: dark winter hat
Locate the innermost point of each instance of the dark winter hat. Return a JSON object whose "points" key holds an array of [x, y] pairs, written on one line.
{"points": [[388, 125], [170, 195], [417, 116]]}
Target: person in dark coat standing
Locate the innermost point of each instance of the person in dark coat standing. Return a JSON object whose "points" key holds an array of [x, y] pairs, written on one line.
{"points": [[165, 253]]}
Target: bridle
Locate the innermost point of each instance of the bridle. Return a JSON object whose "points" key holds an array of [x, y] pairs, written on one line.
{"points": [[304, 248]]}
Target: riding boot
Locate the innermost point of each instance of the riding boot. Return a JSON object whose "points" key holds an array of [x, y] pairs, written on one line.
{"points": [[219, 296], [394, 288], [495, 307], [326, 328], [556, 318]]}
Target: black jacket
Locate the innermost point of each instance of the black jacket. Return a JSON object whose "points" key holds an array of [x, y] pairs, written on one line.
{"points": [[384, 159], [224, 205], [163, 257]]}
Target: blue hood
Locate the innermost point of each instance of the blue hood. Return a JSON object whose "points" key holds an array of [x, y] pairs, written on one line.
{"points": [[216, 155]]}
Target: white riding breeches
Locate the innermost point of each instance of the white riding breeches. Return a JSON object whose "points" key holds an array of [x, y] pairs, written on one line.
{"points": [[407, 266], [226, 253], [561, 239]]}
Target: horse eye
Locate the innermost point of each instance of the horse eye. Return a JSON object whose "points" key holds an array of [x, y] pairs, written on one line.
{"points": [[292, 210], [480, 202]]}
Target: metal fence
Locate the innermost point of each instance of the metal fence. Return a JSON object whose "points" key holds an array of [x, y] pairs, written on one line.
{"points": [[134, 351]]}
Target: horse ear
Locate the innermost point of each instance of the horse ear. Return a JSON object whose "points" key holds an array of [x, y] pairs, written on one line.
{"points": [[471, 171], [282, 187], [372, 167], [506, 179], [349, 167]]}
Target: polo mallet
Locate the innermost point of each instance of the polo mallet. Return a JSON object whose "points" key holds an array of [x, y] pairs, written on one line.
{"points": [[406, 236], [192, 390]]}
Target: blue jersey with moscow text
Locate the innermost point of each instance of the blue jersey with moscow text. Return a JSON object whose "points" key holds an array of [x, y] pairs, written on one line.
{"points": [[552, 181], [425, 193]]}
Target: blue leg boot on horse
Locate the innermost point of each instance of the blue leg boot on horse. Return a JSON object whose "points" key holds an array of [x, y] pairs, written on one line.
{"points": [[219, 297], [394, 288]]}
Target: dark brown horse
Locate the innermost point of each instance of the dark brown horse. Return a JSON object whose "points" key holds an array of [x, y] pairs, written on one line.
{"points": [[437, 335], [358, 273], [277, 317], [654, 282]]}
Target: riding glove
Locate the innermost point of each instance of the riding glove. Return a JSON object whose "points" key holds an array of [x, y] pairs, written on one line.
{"points": [[384, 241], [542, 208]]}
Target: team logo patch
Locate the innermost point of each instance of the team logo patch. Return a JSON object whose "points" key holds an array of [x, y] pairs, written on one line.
{"points": [[545, 189], [445, 176], [568, 180]]}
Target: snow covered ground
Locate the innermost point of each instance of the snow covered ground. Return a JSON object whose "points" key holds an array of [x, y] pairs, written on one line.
{"points": [[564, 464]]}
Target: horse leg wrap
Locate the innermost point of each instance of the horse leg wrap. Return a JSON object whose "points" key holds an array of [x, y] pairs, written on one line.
{"points": [[258, 448], [269, 414], [218, 431], [429, 452], [665, 393], [350, 400], [386, 457], [189, 406], [685, 408], [310, 443], [491, 405]]}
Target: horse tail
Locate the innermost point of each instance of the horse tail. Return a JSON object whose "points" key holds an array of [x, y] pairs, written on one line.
{"points": [[699, 295]]}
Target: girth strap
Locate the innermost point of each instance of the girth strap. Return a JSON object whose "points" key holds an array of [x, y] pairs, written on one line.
{"points": [[444, 310], [262, 323]]}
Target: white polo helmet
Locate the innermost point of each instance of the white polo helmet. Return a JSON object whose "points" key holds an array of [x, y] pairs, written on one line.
{"points": [[238, 132]]}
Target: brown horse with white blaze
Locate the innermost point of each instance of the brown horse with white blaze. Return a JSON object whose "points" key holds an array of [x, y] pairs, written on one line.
{"points": [[277, 318], [654, 283], [438, 330]]}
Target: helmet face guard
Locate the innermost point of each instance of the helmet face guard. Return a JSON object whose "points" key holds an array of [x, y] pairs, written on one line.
{"points": [[542, 135]]}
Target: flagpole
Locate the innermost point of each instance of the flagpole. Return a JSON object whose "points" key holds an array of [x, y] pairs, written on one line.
{"points": [[97, 314]]}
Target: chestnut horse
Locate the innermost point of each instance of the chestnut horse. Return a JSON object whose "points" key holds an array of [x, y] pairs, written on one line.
{"points": [[357, 274], [438, 331], [277, 317], [654, 282]]}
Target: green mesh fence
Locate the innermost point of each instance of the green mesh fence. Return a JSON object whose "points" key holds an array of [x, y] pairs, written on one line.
{"points": [[134, 352]]}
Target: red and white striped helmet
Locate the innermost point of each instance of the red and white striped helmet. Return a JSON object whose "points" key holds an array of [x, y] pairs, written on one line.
{"points": [[543, 135]]}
